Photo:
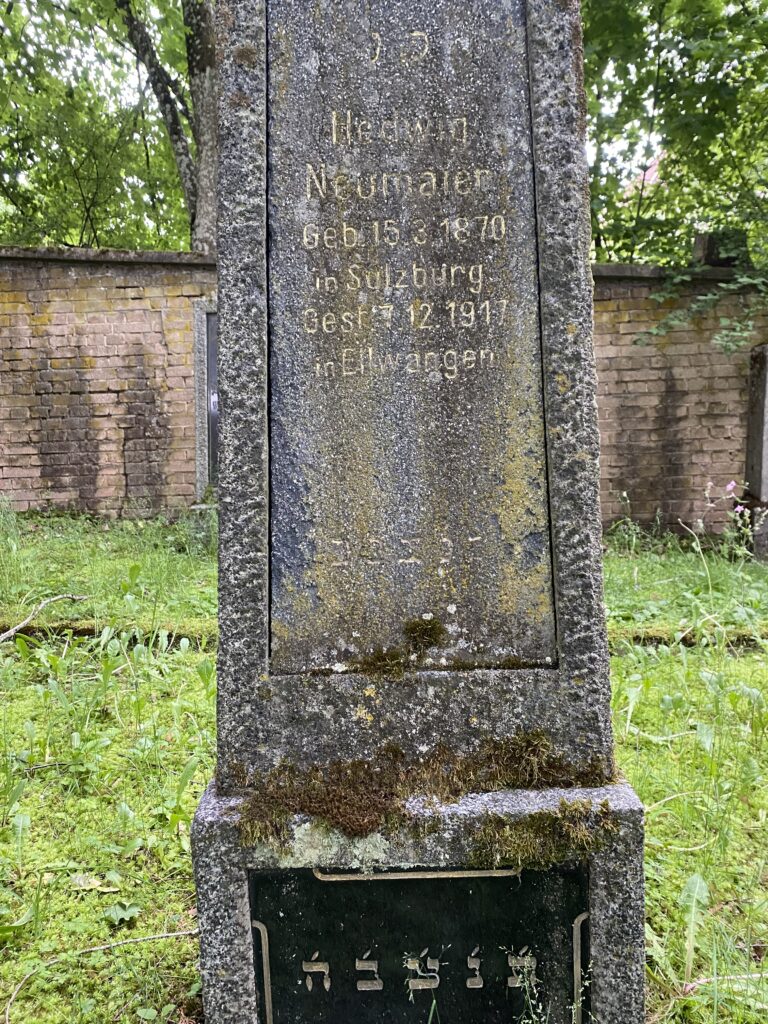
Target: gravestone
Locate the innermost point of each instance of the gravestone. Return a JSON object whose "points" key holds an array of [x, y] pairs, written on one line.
{"points": [[415, 809]]}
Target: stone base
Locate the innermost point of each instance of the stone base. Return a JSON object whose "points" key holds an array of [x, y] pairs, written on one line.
{"points": [[445, 838]]}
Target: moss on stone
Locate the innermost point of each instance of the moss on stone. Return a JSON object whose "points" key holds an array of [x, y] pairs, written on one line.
{"points": [[543, 838], [418, 634], [360, 797], [421, 634]]}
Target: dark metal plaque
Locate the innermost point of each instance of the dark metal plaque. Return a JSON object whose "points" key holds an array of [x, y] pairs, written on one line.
{"points": [[452, 947]]}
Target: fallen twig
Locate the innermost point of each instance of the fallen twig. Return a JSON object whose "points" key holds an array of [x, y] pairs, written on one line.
{"points": [[83, 952], [11, 633], [690, 987]]}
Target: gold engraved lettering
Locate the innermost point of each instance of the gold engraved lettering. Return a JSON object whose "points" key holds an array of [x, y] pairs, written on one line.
{"points": [[349, 366], [429, 182], [325, 369], [348, 128], [374, 984], [463, 183], [370, 361], [409, 557], [446, 559], [310, 321], [416, 49], [372, 554], [315, 966], [473, 963], [421, 313], [450, 364], [326, 283], [320, 184], [428, 978], [523, 970], [342, 553], [420, 276]]}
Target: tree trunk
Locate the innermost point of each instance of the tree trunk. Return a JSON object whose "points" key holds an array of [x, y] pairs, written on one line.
{"points": [[163, 88], [201, 61], [197, 167]]}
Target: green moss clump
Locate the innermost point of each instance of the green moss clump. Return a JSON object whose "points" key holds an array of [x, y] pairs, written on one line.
{"points": [[388, 661], [354, 796], [360, 797], [544, 838], [421, 634]]}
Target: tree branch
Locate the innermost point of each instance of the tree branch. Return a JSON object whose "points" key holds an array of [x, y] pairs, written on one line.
{"points": [[166, 95], [11, 633], [108, 946]]}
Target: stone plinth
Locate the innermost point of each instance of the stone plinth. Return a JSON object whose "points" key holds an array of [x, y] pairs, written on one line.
{"points": [[594, 962]]}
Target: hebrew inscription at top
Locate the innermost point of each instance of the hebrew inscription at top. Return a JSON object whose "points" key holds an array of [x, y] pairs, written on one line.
{"points": [[409, 504]]}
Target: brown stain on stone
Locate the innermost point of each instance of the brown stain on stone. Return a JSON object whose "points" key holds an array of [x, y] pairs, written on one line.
{"points": [[248, 56], [240, 100]]}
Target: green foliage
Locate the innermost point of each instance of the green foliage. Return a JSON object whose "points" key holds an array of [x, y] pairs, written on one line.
{"points": [[84, 156], [101, 825], [683, 81], [676, 98]]}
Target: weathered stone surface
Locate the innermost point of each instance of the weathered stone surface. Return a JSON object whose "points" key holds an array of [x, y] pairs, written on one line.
{"points": [[342, 627], [445, 841], [408, 468], [410, 571]]}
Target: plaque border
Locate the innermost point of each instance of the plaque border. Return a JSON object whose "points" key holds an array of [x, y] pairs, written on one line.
{"points": [[577, 927]]}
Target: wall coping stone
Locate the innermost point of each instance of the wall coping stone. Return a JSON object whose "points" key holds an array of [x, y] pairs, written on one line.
{"points": [[74, 254], [62, 254], [649, 271]]}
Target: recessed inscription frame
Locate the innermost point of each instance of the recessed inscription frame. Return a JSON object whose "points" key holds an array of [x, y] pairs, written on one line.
{"points": [[261, 712]]}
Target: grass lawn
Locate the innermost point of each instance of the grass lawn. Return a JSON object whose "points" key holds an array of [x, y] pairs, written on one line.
{"points": [[108, 734]]}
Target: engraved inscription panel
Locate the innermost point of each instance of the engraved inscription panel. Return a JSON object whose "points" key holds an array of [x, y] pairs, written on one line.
{"points": [[409, 503], [476, 947]]}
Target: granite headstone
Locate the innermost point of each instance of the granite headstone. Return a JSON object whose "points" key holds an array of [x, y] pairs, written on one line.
{"points": [[415, 803]]}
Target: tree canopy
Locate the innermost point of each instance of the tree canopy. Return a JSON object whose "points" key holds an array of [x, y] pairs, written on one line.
{"points": [[104, 106], [106, 123], [678, 124]]}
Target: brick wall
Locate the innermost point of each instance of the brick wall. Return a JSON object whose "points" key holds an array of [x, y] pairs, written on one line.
{"points": [[97, 387], [672, 412], [97, 403]]}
